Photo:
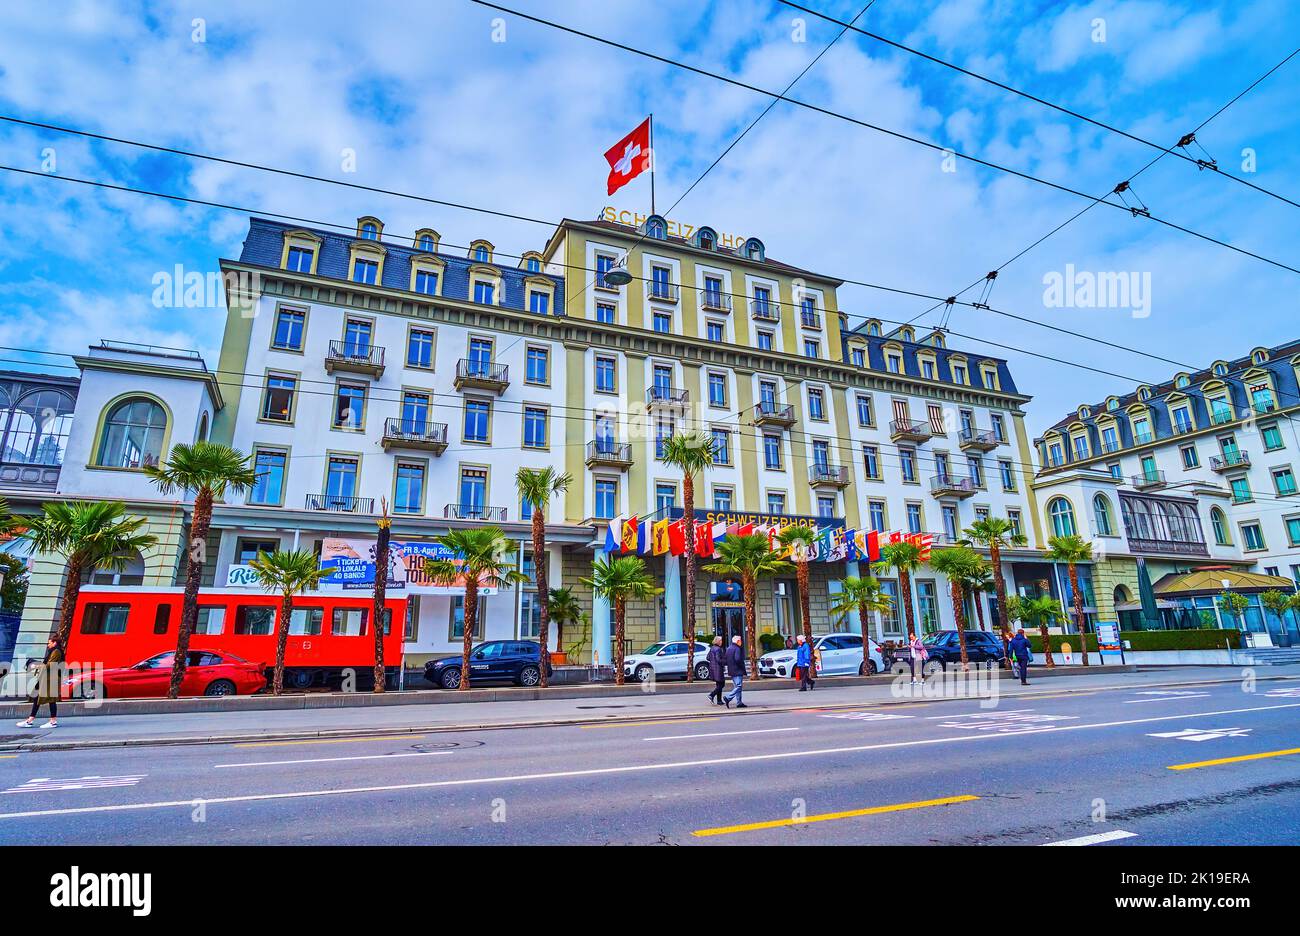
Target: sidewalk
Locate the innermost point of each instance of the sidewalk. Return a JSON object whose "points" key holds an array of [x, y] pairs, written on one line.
{"points": [[523, 708]]}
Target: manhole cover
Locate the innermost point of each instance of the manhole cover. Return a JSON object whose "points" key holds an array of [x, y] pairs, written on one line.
{"points": [[634, 705], [444, 745]]}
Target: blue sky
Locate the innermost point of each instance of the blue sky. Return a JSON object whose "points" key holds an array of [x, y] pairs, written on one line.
{"points": [[431, 104]]}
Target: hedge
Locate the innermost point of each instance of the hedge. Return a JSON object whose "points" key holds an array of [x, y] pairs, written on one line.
{"points": [[1203, 639]]}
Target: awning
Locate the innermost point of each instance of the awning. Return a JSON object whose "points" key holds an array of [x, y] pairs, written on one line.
{"points": [[1209, 581]]}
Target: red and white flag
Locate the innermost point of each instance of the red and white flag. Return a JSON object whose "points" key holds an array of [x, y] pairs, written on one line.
{"points": [[629, 157]]}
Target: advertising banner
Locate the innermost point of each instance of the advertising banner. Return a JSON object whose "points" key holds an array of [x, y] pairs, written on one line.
{"points": [[352, 566]]}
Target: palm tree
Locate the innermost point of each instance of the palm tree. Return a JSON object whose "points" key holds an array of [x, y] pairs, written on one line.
{"points": [[751, 558], [904, 558], [980, 583], [484, 557], [692, 452], [289, 573], [799, 540], [960, 565], [620, 579], [1072, 550], [209, 469], [536, 486], [564, 610], [89, 535], [380, 589], [1043, 610], [997, 534], [864, 596]]}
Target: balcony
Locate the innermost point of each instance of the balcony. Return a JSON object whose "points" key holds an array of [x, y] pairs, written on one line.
{"points": [[660, 397], [1232, 460], [1108, 447], [354, 358], [416, 434], [481, 375], [947, 485], [1143, 438], [810, 318], [339, 503], [1220, 417], [25, 477], [1148, 481], [711, 300], [765, 310], [667, 293], [977, 440], [772, 413], [603, 453], [828, 476], [1261, 407], [474, 512], [909, 430]]}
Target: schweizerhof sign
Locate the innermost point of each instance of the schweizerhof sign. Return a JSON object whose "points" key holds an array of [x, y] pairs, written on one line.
{"points": [[675, 228]]}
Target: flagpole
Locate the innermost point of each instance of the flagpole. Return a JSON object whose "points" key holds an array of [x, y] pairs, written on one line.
{"points": [[653, 160]]}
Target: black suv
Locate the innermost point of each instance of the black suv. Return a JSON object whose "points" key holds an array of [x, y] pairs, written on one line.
{"points": [[517, 661], [982, 649]]}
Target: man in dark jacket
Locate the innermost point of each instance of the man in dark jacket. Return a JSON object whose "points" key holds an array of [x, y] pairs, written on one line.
{"points": [[1021, 653], [736, 670], [717, 669]]}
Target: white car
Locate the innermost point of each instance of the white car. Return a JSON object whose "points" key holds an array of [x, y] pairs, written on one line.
{"points": [[841, 656], [665, 659]]}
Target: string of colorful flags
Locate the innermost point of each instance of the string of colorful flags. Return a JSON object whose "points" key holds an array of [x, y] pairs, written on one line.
{"points": [[647, 537]]}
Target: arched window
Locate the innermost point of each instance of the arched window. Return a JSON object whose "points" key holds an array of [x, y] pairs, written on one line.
{"points": [[481, 254], [1101, 515], [1062, 515], [203, 428], [534, 265], [1084, 412], [426, 242], [1220, 524], [873, 329], [1122, 594], [754, 249], [132, 573], [369, 231], [133, 434], [1221, 369], [34, 430], [1182, 381], [1259, 357], [655, 228], [1144, 394], [706, 240], [1112, 404]]}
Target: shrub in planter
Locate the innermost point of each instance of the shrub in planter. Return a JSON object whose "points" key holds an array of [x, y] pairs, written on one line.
{"points": [[771, 642], [1200, 639]]}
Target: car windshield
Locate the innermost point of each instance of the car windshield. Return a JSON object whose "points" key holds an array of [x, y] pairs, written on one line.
{"points": [[936, 637], [652, 649], [157, 662]]}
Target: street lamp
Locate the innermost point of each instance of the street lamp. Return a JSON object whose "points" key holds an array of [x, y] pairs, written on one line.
{"points": [[617, 275]]}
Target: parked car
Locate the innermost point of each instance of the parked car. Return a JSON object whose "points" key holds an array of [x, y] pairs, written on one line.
{"points": [[982, 649], [517, 661], [841, 656], [665, 659], [208, 672]]}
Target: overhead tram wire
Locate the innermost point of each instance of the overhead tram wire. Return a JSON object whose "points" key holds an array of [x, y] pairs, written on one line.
{"points": [[1165, 151], [897, 134]]}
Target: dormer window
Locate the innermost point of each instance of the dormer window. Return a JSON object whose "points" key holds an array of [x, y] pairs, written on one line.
{"points": [[874, 329], [1258, 356], [480, 251], [1144, 394], [1084, 412], [481, 254], [534, 265], [1220, 369], [907, 334], [706, 241], [299, 259], [1182, 381], [753, 250], [370, 231], [426, 243], [656, 228], [1112, 404]]}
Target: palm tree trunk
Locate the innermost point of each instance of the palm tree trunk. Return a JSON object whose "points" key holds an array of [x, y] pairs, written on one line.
{"points": [[380, 592], [688, 503], [1000, 589], [1078, 610], [281, 642], [979, 608], [751, 621], [471, 620], [71, 590], [1047, 645], [805, 600], [620, 612], [196, 554], [543, 595], [866, 639], [905, 586], [959, 615]]}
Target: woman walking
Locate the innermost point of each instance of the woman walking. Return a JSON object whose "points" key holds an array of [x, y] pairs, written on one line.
{"points": [[717, 670], [803, 664], [47, 685], [918, 656]]}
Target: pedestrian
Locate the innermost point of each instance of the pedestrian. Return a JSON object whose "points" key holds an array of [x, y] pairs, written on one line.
{"points": [[803, 663], [918, 656], [47, 680], [789, 644], [736, 670], [1022, 653], [717, 669]]}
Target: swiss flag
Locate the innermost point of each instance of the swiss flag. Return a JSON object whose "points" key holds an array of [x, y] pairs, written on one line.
{"points": [[629, 157]]}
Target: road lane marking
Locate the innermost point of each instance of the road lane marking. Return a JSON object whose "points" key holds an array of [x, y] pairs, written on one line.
{"points": [[391, 737], [866, 716], [626, 769], [1202, 734], [717, 734], [1166, 697], [1094, 839], [1234, 760], [1022, 711], [332, 760], [650, 724], [827, 817], [49, 785]]}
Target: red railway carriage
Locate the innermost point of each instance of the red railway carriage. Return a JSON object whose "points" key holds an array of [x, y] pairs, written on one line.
{"points": [[329, 633]]}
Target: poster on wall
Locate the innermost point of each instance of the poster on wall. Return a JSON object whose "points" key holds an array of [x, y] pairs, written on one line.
{"points": [[351, 563]]}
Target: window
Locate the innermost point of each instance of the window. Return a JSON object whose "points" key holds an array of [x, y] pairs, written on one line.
{"points": [[349, 622], [270, 466], [537, 366], [530, 614], [133, 434], [858, 357], [1054, 455], [1272, 437], [457, 629], [289, 327], [663, 323], [606, 313], [713, 293], [975, 466], [278, 398], [1293, 532], [721, 447], [821, 454], [473, 492], [876, 513], [349, 406], [605, 371], [299, 259], [1241, 491], [1252, 537], [369, 231], [1080, 448], [959, 373], [482, 254], [907, 464], [1182, 420], [722, 499], [934, 412], [606, 499], [1189, 456], [365, 271], [1284, 481], [340, 478], [604, 263], [894, 363], [871, 461], [665, 497], [999, 427], [478, 420], [419, 348], [408, 497], [772, 452], [254, 620], [660, 287], [306, 622], [950, 530], [816, 403], [762, 301], [927, 369], [1008, 475], [1013, 517], [1101, 515], [717, 389], [426, 281], [539, 302], [1114, 469], [1219, 523], [866, 417], [535, 427], [914, 518], [826, 506], [1062, 515], [811, 349], [714, 333], [663, 432], [247, 550], [485, 292], [775, 503], [764, 340], [426, 243], [105, 618]]}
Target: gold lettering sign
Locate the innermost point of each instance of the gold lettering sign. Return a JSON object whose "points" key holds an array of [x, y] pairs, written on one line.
{"points": [[675, 228]]}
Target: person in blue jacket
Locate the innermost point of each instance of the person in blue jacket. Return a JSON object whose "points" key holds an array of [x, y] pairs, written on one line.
{"points": [[803, 661], [1021, 653], [735, 660]]}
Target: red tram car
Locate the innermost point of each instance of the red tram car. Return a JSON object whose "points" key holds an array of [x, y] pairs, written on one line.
{"points": [[329, 633]]}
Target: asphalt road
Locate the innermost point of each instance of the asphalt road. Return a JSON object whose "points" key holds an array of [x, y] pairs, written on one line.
{"points": [[1057, 766]]}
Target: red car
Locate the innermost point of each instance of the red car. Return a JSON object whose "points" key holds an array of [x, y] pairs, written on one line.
{"points": [[209, 673]]}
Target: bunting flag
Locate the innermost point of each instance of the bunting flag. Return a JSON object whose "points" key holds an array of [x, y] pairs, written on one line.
{"points": [[923, 542], [895, 537], [628, 537], [839, 546], [659, 534], [677, 537], [851, 552], [643, 538], [824, 543], [873, 546], [719, 531], [703, 540], [614, 536], [745, 529]]}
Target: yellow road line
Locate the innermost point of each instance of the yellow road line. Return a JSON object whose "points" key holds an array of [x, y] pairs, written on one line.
{"points": [[1234, 760], [7, 756], [392, 737], [826, 817], [662, 721]]}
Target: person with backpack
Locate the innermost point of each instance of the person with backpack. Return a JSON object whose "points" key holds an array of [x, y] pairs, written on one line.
{"points": [[803, 663], [1022, 653]]}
